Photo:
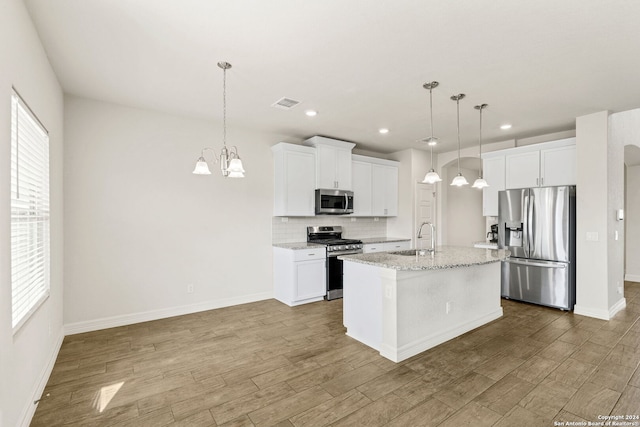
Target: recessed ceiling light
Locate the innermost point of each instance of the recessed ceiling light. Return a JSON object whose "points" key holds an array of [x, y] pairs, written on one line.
{"points": [[505, 126], [383, 130], [311, 113]]}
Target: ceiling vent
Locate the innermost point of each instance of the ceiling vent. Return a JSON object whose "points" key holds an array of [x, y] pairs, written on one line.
{"points": [[285, 103]]}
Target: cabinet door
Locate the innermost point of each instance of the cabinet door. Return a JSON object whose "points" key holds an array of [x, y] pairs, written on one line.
{"points": [[493, 172], [385, 190], [299, 184], [326, 167], [558, 166], [343, 169], [362, 191], [391, 191], [310, 279], [523, 170]]}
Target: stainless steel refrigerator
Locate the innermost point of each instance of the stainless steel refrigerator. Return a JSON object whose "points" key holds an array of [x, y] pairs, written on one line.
{"points": [[538, 226]]}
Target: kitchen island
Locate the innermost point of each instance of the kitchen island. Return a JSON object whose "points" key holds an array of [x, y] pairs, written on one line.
{"points": [[402, 304]]}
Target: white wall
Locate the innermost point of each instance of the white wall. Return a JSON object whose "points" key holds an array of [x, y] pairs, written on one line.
{"points": [[140, 226], [599, 262], [27, 357], [463, 211], [632, 224]]}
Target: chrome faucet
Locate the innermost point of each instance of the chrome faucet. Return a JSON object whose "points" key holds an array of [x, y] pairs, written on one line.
{"points": [[433, 235]]}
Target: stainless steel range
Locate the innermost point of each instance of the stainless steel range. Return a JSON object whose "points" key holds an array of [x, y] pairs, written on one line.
{"points": [[331, 237]]}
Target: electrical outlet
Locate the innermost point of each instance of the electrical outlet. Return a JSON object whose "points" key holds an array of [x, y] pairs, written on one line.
{"points": [[619, 290], [376, 219], [353, 219], [448, 307], [190, 288], [388, 292], [615, 235], [284, 219], [592, 236]]}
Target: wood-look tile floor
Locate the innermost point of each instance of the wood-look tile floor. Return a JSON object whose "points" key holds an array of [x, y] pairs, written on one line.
{"points": [[268, 364]]}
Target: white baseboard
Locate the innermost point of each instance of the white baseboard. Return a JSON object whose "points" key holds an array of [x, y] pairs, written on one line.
{"points": [[129, 319], [30, 408], [632, 277], [418, 346], [620, 305], [598, 313]]}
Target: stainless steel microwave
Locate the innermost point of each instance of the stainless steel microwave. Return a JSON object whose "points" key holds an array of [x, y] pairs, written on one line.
{"points": [[334, 202]]}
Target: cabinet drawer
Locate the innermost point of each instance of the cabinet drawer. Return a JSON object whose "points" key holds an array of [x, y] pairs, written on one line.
{"points": [[309, 254], [372, 248], [397, 246]]}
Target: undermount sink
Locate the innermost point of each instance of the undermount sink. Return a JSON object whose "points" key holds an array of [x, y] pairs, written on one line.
{"points": [[411, 252]]}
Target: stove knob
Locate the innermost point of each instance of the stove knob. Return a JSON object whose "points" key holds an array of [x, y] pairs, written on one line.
{"points": [[341, 247]]}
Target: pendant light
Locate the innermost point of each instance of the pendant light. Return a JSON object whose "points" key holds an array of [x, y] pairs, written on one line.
{"points": [[459, 180], [480, 183], [230, 163], [432, 176]]}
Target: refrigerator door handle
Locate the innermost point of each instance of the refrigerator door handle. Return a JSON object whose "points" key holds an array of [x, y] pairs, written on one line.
{"points": [[547, 264], [525, 226], [531, 214]]}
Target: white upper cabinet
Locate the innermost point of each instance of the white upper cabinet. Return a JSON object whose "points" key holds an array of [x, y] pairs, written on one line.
{"points": [[333, 162], [523, 170], [362, 188], [541, 165], [385, 190], [375, 186], [294, 180], [558, 166], [494, 173]]}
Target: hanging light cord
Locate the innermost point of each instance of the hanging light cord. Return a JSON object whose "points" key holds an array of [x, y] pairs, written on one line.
{"points": [[458, 129], [431, 121], [224, 106], [480, 141], [431, 109]]}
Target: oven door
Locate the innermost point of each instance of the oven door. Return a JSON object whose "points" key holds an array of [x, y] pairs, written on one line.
{"points": [[334, 273], [334, 278], [334, 202]]}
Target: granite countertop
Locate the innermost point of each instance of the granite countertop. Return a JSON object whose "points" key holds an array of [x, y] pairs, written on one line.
{"points": [[297, 245], [485, 244], [369, 240], [445, 257]]}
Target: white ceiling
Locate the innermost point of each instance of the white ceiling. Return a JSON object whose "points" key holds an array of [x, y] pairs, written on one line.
{"points": [[360, 63]]}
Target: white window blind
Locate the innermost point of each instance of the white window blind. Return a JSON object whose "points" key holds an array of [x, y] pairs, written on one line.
{"points": [[29, 212]]}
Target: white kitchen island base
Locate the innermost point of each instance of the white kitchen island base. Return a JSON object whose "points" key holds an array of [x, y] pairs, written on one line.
{"points": [[402, 313]]}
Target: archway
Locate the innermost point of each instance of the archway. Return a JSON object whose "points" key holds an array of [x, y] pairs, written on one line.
{"points": [[632, 212]]}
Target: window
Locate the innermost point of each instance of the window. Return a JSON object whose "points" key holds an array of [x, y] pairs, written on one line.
{"points": [[29, 212]]}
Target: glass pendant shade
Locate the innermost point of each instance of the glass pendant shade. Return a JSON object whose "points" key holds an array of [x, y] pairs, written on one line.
{"points": [[235, 169], [202, 168], [459, 180], [480, 183], [431, 177]]}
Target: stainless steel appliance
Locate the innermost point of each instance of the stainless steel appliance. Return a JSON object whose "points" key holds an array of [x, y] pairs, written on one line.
{"points": [[334, 202], [538, 226], [331, 237]]}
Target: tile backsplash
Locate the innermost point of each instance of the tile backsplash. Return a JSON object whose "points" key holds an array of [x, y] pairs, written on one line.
{"points": [[294, 229]]}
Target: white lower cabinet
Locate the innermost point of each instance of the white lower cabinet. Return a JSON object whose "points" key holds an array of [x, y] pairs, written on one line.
{"points": [[386, 247], [299, 275]]}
